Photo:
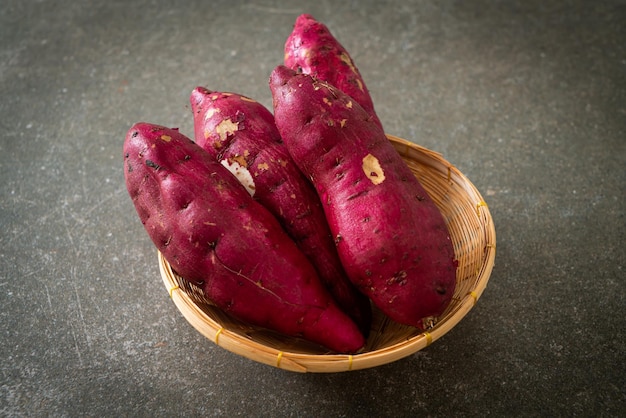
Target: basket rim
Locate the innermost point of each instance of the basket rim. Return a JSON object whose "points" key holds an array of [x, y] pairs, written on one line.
{"points": [[299, 362]]}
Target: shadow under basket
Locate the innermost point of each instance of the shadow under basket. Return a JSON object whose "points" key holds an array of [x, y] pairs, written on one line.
{"points": [[473, 235]]}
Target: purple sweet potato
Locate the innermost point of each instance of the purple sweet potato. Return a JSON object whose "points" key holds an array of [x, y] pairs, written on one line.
{"points": [[241, 134], [391, 237], [312, 49], [215, 235]]}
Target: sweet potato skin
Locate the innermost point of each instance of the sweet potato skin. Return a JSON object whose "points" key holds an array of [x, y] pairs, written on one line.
{"points": [[391, 237], [312, 49], [214, 234], [240, 132]]}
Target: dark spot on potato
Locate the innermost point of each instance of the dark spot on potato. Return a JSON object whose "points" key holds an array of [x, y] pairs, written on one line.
{"points": [[366, 219], [304, 214], [130, 167], [398, 278], [338, 239], [240, 117], [187, 157], [277, 184], [339, 176], [359, 194], [441, 290], [368, 273], [420, 197], [152, 164], [134, 135]]}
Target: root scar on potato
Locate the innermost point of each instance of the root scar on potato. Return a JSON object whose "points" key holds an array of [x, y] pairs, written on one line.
{"points": [[372, 169]]}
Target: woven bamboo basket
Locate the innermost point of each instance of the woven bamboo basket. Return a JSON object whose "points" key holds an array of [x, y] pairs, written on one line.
{"points": [[473, 235]]}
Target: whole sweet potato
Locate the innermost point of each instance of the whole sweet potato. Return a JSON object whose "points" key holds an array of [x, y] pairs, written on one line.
{"points": [[241, 134], [312, 49], [391, 237], [215, 235]]}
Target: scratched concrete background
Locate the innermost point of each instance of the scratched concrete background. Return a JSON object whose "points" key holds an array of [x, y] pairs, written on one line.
{"points": [[527, 98]]}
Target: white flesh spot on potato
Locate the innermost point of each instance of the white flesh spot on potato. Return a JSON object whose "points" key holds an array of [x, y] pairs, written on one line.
{"points": [[209, 113], [242, 174], [225, 128], [372, 169]]}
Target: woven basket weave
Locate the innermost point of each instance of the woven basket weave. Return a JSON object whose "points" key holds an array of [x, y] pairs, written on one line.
{"points": [[473, 235]]}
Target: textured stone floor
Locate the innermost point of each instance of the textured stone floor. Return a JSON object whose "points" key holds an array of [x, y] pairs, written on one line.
{"points": [[526, 98]]}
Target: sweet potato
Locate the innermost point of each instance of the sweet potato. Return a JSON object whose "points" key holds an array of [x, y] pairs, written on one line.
{"points": [[391, 237], [241, 134], [215, 235], [312, 49]]}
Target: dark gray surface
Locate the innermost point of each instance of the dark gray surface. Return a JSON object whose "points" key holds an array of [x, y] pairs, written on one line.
{"points": [[527, 98]]}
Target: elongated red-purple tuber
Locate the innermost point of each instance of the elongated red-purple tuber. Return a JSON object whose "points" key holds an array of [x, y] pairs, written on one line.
{"points": [[215, 235], [392, 239]]}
